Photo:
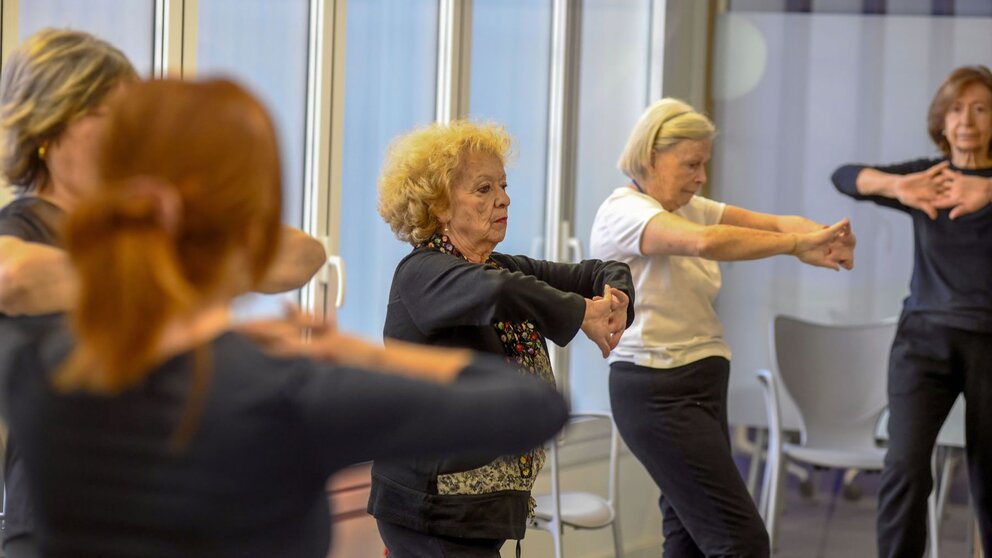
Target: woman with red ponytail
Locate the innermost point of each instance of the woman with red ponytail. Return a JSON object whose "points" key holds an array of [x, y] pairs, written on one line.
{"points": [[149, 427]]}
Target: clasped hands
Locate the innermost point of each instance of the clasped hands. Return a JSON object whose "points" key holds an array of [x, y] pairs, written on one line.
{"points": [[827, 246], [940, 187], [606, 319]]}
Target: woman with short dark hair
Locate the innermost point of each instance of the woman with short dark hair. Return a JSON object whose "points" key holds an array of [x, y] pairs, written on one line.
{"points": [[943, 345]]}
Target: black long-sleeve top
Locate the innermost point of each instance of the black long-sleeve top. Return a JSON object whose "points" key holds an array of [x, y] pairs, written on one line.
{"points": [[108, 483], [952, 260], [442, 299]]}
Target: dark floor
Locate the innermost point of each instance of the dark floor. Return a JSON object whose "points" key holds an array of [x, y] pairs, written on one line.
{"points": [[828, 525]]}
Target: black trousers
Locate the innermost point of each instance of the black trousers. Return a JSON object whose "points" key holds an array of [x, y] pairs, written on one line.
{"points": [[21, 547], [675, 422], [930, 364], [407, 543]]}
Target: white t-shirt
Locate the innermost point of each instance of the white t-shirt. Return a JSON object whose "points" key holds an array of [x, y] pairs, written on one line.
{"points": [[674, 320]]}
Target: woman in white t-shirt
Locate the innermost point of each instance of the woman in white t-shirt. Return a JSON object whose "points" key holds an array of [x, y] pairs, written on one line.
{"points": [[669, 374]]}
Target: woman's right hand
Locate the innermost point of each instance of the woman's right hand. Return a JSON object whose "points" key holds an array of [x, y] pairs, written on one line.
{"points": [[920, 190], [299, 334], [831, 247], [596, 323]]}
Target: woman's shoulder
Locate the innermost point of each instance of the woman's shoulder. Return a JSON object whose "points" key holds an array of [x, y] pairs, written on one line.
{"points": [[423, 262]]}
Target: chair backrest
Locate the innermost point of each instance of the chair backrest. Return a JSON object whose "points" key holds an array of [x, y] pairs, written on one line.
{"points": [[836, 375]]}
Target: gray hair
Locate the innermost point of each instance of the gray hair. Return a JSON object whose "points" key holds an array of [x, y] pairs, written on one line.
{"points": [[56, 76], [664, 124]]}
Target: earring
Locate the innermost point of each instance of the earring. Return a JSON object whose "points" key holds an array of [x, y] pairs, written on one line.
{"points": [[41, 152]]}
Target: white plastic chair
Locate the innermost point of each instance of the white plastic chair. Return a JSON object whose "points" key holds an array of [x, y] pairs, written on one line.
{"points": [[577, 509], [836, 375]]}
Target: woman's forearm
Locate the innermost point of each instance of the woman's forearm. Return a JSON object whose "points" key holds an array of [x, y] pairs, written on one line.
{"points": [[872, 182], [731, 243], [34, 278], [796, 224], [435, 364]]}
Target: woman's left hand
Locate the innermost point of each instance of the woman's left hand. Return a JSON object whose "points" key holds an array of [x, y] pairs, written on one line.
{"points": [[963, 193], [616, 319], [618, 314]]}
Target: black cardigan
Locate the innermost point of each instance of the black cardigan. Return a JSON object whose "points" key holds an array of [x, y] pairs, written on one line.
{"points": [[440, 299]]}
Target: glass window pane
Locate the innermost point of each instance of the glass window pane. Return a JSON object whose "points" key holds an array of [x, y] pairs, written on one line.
{"points": [[612, 94], [126, 24], [389, 89], [511, 56], [275, 69]]}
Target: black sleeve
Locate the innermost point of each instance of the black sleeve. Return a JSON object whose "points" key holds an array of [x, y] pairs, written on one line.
{"points": [[16, 225], [441, 291], [351, 416], [845, 179], [587, 278]]}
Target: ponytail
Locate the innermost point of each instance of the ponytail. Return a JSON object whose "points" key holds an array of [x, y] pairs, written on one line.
{"points": [[122, 243]]}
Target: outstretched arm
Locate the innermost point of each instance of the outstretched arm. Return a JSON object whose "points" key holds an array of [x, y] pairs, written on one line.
{"points": [[39, 279], [300, 334], [740, 217], [34, 278], [840, 251], [669, 234], [912, 185], [487, 407]]}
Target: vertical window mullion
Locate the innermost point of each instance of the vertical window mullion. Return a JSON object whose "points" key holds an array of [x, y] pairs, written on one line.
{"points": [[323, 151], [565, 29], [454, 54]]}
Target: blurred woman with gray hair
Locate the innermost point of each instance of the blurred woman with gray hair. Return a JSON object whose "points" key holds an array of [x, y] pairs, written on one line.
{"points": [[670, 371]]}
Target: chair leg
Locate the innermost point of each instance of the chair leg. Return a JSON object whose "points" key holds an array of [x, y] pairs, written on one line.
{"points": [[617, 539], [757, 449], [556, 536], [951, 463], [933, 525], [772, 507]]}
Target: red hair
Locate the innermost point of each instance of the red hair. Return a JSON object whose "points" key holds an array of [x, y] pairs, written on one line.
{"points": [[190, 182]]}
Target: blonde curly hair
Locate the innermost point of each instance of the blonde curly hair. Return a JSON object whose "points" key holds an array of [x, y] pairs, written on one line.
{"points": [[56, 76], [420, 167]]}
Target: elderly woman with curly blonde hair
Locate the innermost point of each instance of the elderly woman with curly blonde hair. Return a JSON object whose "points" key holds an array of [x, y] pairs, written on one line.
{"points": [[443, 189]]}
